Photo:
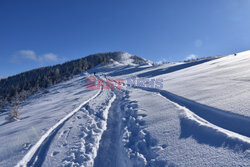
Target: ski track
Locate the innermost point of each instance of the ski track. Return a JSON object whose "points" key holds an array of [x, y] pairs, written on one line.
{"points": [[36, 154], [236, 128], [84, 152], [110, 153]]}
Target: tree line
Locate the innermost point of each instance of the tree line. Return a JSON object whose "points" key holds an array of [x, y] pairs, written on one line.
{"points": [[15, 89]]}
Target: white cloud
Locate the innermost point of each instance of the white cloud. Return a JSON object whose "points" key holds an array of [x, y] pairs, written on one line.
{"points": [[48, 57], [191, 56], [198, 43], [23, 55], [30, 55]]}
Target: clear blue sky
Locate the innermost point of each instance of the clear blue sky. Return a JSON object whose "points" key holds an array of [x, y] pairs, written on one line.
{"points": [[35, 33]]}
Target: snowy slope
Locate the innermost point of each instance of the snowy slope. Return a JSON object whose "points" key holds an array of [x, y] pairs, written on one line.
{"points": [[180, 141], [201, 117], [39, 114], [221, 83]]}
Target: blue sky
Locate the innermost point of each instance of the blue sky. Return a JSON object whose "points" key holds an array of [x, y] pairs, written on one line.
{"points": [[46, 32]]}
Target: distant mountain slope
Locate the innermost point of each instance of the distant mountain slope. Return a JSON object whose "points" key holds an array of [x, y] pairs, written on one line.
{"points": [[16, 88]]}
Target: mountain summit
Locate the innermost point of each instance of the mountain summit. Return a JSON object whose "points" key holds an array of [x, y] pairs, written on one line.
{"points": [[129, 59]]}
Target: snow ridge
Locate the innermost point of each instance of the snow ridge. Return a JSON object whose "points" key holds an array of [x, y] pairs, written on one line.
{"points": [[230, 120]]}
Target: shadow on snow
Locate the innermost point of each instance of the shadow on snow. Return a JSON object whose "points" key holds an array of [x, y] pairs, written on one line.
{"points": [[203, 134]]}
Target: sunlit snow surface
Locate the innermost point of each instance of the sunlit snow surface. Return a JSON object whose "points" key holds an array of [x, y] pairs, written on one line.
{"points": [[201, 117]]}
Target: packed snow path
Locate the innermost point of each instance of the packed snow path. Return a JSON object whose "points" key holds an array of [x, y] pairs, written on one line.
{"points": [[111, 152]]}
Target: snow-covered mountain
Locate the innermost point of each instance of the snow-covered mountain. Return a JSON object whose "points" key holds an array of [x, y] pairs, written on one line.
{"points": [[15, 89], [181, 114]]}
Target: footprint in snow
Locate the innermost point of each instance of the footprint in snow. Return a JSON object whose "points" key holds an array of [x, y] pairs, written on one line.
{"points": [[55, 153], [164, 146], [26, 146], [142, 115]]}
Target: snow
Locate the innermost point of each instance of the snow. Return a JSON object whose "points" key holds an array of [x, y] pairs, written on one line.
{"points": [[179, 142], [125, 58], [38, 114], [200, 117], [83, 149], [30, 154], [222, 83]]}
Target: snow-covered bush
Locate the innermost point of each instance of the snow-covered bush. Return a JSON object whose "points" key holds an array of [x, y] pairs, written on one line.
{"points": [[14, 115]]}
